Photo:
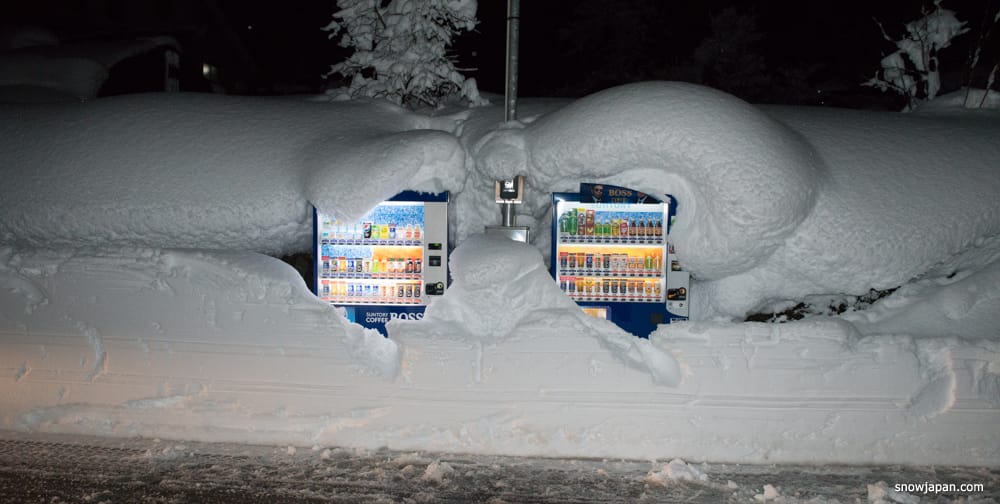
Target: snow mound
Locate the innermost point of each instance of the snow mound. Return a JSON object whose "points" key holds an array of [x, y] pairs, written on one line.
{"points": [[905, 196], [774, 203], [744, 181], [675, 470], [206, 171], [971, 98], [348, 179], [502, 290]]}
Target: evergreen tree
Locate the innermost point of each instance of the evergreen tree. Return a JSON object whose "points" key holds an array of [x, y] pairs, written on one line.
{"points": [[400, 49]]}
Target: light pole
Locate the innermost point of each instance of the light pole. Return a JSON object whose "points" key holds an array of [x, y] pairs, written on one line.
{"points": [[513, 35]]}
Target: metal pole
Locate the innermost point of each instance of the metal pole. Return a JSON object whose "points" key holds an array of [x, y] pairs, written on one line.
{"points": [[507, 216], [513, 34]]}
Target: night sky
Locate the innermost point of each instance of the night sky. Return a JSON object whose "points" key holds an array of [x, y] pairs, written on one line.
{"points": [[772, 51], [787, 51]]}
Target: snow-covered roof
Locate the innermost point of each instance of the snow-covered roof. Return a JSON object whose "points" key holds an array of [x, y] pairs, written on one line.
{"points": [[74, 69]]}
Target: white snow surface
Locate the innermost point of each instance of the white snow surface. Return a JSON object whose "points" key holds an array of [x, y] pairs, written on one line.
{"points": [[207, 171], [134, 299]]}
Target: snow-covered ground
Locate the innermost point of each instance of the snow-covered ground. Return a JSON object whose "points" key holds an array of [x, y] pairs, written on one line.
{"points": [[136, 300]]}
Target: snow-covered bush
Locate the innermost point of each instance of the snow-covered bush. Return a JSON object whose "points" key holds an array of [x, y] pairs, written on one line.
{"points": [[400, 49], [912, 71]]}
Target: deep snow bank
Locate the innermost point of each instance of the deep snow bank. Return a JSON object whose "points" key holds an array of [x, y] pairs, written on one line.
{"points": [[231, 347], [905, 196], [502, 290], [775, 203], [206, 171], [743, 180]]}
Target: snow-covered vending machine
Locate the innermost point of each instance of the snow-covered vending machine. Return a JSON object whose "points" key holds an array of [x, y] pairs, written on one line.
{"points": [[611, 253], [389, 264]]}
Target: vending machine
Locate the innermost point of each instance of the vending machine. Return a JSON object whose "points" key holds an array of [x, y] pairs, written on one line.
{"points": [[389, 264], [611, 253]]}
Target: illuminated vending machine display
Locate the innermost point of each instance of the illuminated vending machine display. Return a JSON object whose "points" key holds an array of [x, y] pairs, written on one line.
{"points": [[389, 264], [611, 253]]}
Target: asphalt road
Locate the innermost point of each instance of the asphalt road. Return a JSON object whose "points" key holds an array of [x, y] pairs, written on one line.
{"points": [[56, 469]]}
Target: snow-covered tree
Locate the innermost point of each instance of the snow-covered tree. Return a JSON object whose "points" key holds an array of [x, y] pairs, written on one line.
{"points": [[912, 70], [400, 49]]}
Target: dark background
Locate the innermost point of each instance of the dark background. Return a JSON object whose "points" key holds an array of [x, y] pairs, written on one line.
{"points": [[768, 51]]}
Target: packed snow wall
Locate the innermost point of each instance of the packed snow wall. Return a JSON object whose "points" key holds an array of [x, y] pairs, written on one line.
{"points": [[774, 203], [172, 170]]}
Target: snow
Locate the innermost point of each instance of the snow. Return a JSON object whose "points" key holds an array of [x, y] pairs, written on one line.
{"points": [[676, 469], [136, 301], [204, 171], [36, 67]]}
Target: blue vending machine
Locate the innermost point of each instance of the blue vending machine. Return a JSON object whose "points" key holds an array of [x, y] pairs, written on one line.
{"points": [[611, 253], [389, 264]]}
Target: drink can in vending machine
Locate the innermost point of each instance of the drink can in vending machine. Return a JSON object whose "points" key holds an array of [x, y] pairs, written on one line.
{"points": [[418, 265], [589, 261], [563, 260], [409, 290], [366, 229], [350, 265], [358, 265]]}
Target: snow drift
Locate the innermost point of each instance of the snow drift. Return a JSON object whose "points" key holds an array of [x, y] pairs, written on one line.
{"points": [[775, 203], [211, 346], [206, 171], [133, 300]]}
